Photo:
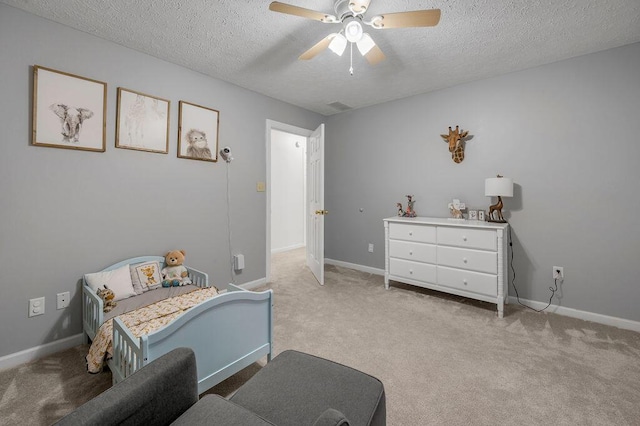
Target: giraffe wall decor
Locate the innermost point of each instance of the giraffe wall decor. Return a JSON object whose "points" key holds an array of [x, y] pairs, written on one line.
{"points": [[456, 143]]}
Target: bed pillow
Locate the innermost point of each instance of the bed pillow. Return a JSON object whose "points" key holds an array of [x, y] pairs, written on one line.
{"points": [[118, 280], [146, 276]]}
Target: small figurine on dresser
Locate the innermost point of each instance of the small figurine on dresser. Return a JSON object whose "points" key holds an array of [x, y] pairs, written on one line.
{"points": [[410, 212], [456, 208]]}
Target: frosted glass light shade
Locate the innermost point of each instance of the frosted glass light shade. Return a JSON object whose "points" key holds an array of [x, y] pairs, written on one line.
{"points": [[353, 31], [338, 44], [365, 44], [494, 187]]}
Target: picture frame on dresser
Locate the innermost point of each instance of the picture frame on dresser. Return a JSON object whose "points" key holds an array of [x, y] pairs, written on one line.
{"points": [[473, 215], [481, 215]]}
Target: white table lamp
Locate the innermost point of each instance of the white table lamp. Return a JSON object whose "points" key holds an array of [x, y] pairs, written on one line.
{"points": [[497, 187]]}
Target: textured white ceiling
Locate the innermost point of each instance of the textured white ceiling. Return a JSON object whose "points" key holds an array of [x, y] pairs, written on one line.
{"points": [[244, 43]]}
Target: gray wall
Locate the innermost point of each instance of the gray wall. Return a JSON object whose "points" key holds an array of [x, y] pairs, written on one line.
{"points": [[567, 133], [65, 212]]}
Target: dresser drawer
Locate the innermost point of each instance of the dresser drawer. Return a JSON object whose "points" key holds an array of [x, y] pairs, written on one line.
{"points": [[412, 270], [466, 237], [412, 251], [476, 260], [409, 232], [475, 282]]}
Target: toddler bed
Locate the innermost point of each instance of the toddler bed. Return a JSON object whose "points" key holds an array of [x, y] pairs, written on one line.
{"points": [[227, 332]]}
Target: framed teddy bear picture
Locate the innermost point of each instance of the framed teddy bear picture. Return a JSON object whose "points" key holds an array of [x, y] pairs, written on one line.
{"points": [[198, 132]]}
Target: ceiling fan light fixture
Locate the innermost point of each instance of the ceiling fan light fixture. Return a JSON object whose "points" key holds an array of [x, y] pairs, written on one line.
{"points": [[353, 31], [338, 44], [365, 44]]}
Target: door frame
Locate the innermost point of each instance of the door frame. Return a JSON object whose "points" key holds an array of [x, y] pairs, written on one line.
{"points": [[276, 125]]}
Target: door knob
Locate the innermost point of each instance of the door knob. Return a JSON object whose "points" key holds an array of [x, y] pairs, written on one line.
{"points": [[322, 212]]}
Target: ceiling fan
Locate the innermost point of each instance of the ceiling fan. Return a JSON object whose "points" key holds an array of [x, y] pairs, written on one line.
{"points": [[350, 13]]}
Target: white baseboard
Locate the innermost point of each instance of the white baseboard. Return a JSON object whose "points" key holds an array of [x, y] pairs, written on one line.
{"points": [[361, 268], [283, 249], [32, 354], [253, 284], [583, 315], [560, 310]]}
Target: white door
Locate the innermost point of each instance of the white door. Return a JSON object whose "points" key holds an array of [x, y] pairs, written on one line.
{"points": [[315, 210]]}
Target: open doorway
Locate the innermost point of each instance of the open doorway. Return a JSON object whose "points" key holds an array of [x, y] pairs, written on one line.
{"points": [[288, 191], [295, 197]]}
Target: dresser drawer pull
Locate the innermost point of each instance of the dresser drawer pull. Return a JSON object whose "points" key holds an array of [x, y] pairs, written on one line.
{"points": [[410, 233], [410, 253], [464, 282], [464, 238], [411, 271], [464, 259]]}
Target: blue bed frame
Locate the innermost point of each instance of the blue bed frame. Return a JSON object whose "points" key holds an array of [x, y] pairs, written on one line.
{"points": [[228, 332]]}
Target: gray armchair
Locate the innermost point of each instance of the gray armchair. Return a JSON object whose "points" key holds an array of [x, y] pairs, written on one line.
{"points": [[293, 389]]}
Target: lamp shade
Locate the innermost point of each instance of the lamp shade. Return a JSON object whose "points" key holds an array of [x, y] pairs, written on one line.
{"points": [[498, 186], [365, 44], [338, 44]]}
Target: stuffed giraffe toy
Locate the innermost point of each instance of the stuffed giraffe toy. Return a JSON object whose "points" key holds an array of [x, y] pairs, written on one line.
{"points": [[456, 144]]}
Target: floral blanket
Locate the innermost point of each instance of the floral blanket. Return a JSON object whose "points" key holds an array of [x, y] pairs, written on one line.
{"points": [[143, 321]]}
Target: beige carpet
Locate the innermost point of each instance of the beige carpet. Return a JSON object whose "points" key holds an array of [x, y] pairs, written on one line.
{"points": [[443, 360]]}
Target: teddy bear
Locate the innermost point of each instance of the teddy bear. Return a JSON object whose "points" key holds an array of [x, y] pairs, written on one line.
{"points": [[107, 295], [175, 273]]}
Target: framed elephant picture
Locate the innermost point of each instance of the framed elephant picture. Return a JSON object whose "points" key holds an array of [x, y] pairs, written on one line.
{"points": [[69, 111]]}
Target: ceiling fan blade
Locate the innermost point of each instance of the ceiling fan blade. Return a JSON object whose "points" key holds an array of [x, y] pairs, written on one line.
{"points": [[417, 18], [289, 9], [318, 48], [359, 6]]}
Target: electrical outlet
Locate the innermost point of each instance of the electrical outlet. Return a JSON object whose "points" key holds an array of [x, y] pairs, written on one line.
{"points": [[36, 306], [238, 262], [370, 248], [558, 273], [63, 300]]}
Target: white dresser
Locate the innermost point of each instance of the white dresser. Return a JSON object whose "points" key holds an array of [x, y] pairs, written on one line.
{"points": [[463, 257]]}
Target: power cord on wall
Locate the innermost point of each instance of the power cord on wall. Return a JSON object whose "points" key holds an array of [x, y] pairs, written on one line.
{"points": [[233, 272], [513, 282]]}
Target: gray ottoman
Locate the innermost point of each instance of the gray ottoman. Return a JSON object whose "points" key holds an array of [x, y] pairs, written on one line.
{"points": [[300, 389]]}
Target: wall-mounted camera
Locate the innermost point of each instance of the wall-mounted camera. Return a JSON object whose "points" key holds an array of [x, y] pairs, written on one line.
{"points": [[225, 153]]}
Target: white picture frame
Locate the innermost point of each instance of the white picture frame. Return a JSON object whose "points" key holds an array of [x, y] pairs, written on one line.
{"points": [[473, 215], [481, 215]]}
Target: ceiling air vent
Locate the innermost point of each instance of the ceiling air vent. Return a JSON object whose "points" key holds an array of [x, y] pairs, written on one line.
{"points": [[340, 106]]}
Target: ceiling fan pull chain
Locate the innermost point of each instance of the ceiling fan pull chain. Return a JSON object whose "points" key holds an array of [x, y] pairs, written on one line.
{"points": [[351, 68]]}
